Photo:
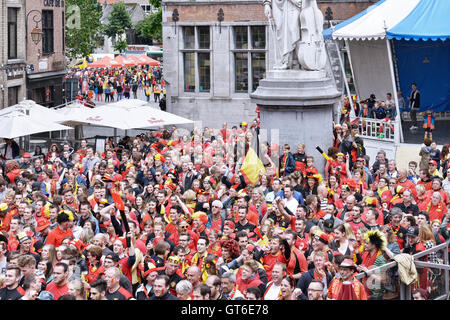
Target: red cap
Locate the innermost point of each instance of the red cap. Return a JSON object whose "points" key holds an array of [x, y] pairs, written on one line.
{"points": [[433, 162], [322, 237], [26, 155]]}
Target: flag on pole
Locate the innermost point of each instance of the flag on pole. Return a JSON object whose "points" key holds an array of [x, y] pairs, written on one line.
{"points": [[252, 167]]}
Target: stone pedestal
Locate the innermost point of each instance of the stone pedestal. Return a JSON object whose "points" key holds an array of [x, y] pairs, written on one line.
{"points": [[297, 106]]}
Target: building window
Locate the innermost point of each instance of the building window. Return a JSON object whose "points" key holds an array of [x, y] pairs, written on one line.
{"points": [[258, 34], [189, 71], [249, 57], [189, 37], [241, 66], [13, 96], [258, 68], [47, 32], [204, 71], [197, 58], [147, 8], [240, 37], [12, 33], [203, 38]]}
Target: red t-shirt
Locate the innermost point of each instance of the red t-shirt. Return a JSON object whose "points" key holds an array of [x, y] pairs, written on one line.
{"points": [[56, 236], [269, 262], [56, 290], [297, 260]]}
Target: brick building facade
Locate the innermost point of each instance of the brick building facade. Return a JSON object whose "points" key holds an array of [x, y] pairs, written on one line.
{"points": [[215, 52], [12, 52], [46, 59]]}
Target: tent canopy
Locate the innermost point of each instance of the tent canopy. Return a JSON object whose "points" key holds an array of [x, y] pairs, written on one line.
{"points": [[124, 62], [105, 62], [135, 60], [146, 60], [423, 62], [328, 33], [429, 20], [372, 23]]}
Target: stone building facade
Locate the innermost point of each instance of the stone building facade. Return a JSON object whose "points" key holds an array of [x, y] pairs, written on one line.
{"points": [[12, 52], [46, 59], [216, 51]]}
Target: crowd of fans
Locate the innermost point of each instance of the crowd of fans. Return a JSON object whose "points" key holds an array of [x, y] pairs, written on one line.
{"points": [[169, 215], [114, 84]]}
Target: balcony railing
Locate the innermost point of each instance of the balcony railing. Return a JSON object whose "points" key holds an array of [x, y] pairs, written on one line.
{"points": [[376, 129], [437, 275], [437, 116]]}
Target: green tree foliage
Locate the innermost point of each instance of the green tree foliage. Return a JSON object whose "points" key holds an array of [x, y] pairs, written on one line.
{"points": [[119, 21], [155, 3], [151, 26], [83, 27], [121, 45]]}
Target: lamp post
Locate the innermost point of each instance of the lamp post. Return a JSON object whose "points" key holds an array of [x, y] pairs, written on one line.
{"points": [[175, 18], [220, 18], [329, 15], [36, 33], [36, 37]]}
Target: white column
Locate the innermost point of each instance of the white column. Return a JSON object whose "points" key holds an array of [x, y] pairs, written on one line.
{"points": [[398, 135]]}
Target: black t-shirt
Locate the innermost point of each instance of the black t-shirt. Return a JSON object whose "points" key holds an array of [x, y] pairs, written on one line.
{"points": [[248, 226], [278, 221], [411, 209], [121, 294], [173, 280], [14, 294], [167, 296]]}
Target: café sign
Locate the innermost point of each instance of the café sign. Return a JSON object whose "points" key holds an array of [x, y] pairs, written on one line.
{"points": [[53, 3]]}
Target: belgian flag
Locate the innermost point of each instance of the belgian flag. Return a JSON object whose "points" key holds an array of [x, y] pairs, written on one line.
{"points": [[252, 167]]}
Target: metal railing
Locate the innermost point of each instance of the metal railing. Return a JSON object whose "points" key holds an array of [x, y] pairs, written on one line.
{"points": [[437, 116], [437, 274], [376, 129]]}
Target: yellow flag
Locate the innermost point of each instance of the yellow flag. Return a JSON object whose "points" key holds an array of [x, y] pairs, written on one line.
{"points": [[252, 167]]}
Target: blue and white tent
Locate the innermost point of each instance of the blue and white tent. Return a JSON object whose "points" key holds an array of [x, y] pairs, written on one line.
{"points": [[418, 32]]}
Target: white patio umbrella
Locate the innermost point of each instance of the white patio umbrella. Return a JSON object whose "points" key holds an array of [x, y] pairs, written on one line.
{"points": [[128, 103], [133, 114], [17, 124], [107, 116], [153, 117], [35, 111], [75, 113]]}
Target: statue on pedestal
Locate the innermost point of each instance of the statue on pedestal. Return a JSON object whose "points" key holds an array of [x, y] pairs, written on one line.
{"points": [[296, 27]]}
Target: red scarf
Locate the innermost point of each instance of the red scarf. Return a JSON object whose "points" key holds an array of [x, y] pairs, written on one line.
{"points": [[317, 275], [369, 260]]}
